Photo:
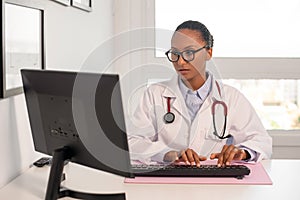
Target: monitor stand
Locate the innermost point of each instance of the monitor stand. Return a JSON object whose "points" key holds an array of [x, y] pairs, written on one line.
{"points": [[54, 188]]}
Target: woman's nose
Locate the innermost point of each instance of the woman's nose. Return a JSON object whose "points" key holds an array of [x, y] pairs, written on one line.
{"points": [[181, 61]]}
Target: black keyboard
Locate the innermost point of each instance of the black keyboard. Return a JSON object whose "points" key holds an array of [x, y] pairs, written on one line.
{"points": [[237, 171]]}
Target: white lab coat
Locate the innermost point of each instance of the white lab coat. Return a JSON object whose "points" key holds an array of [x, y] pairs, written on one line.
{"points": [[150, 137]]}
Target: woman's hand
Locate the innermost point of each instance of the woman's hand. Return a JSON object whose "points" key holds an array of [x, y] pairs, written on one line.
{"points": [[188, 156], [229, 153]]}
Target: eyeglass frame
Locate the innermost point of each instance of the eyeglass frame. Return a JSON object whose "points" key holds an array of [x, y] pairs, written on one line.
{"points": [[178, 53]]}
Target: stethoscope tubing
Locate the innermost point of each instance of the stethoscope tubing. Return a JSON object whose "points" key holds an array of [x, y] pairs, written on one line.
{"points": [[169, 117]]}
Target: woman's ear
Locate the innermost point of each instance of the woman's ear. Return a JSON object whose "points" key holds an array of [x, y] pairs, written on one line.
{"points": [[209, 53]]}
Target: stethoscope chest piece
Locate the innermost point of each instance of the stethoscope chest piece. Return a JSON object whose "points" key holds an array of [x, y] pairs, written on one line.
{"points": [[169, 117]]}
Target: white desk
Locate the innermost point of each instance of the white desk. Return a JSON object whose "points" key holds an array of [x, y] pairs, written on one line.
{"points": [[285, 175]]}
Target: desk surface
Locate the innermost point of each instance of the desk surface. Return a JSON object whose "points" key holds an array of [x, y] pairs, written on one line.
{"points": [[285, 175]]}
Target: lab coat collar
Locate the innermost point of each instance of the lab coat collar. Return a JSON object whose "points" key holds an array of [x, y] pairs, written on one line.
{"points": [[216, 94], [217, 91], [177, 101], [172, 88]]}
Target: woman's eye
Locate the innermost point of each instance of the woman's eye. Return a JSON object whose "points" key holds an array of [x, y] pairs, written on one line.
{"points": [[175, 52], [189, 52]]}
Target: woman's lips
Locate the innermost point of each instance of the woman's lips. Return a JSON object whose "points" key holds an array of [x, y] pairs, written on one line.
{"points": [[183, 71]]}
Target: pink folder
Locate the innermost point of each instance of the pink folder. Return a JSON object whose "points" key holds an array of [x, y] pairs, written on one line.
{"points": [[257, 176]]}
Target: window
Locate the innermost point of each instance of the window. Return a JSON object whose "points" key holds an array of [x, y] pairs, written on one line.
{"points": [[259, 28], [277, 102]]}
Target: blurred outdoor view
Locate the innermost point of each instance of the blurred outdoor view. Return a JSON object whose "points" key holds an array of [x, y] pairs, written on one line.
{"points": [[277, 102]]}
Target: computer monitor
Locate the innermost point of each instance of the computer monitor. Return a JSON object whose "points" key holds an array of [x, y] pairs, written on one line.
{"points": [[77, 116]]}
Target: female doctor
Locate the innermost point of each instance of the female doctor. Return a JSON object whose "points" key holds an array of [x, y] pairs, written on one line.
{"points": [[193, 116]]}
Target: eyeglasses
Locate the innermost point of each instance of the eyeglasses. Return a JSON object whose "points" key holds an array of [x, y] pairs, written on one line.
{"points": [[187, 55]]}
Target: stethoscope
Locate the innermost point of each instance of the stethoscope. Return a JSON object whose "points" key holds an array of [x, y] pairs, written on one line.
{"points": [[213, 111], [169, 117]]}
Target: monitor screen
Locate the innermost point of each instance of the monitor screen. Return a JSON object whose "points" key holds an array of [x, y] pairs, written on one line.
{"points": [[81, 111]]}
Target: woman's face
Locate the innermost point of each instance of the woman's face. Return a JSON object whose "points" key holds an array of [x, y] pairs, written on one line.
{"points": [[186, 39]]}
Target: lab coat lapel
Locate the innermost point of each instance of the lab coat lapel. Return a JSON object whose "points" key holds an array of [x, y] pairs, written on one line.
{"points": [[202, 138], [217, 91], [177, 102], [218, 95]]}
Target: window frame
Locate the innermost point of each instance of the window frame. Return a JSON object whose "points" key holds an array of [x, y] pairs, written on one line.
{"points": [[4, 91]]}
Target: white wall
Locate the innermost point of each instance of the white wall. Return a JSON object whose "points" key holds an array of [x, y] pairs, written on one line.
{"points": [[71, 34]]}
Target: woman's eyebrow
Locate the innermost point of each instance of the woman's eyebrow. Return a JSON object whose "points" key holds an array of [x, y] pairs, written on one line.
{"points": [[190, 46], [187, 47]]}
